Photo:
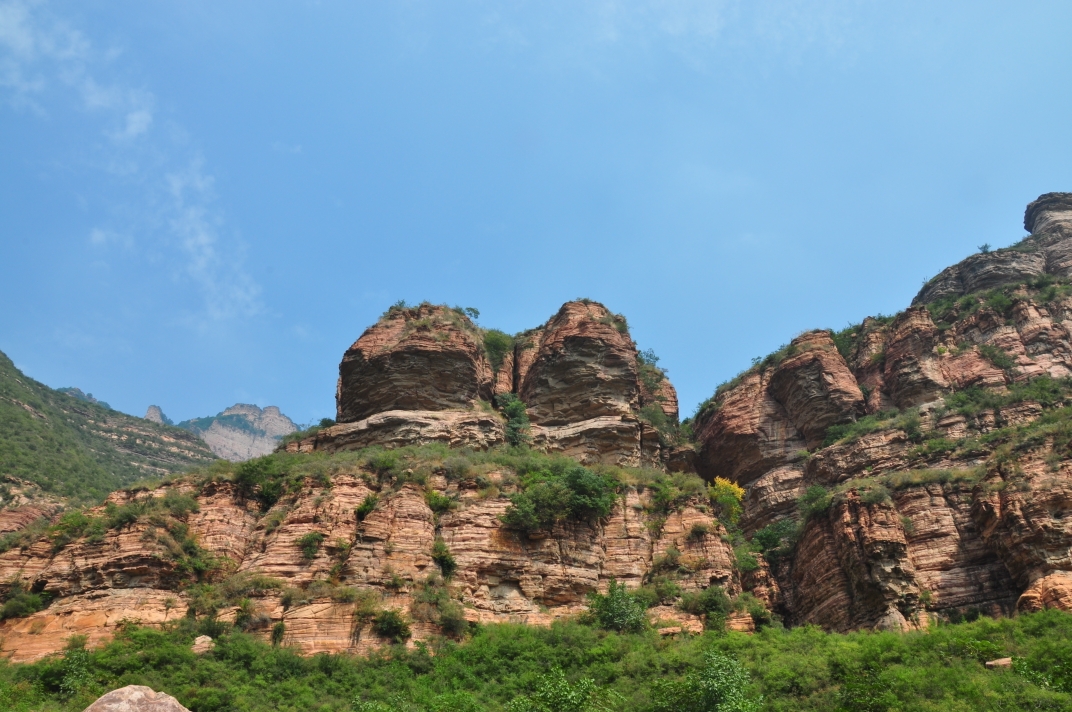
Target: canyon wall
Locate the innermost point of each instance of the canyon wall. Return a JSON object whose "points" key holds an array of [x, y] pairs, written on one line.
{"points": [[911, 468]]}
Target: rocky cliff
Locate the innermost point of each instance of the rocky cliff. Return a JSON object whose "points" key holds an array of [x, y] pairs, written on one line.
{"points": [[240, 432], [916, 465], [906, 469], [358, 536], [424, 374]]}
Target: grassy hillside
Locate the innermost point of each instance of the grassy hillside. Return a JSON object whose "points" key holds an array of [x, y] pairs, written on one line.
{"points": [[572, 667], [80, 450]]}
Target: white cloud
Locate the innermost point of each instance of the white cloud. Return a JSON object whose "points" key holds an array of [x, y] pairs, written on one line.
{"points": [[43, 62], [216, 267], [280, 147]]}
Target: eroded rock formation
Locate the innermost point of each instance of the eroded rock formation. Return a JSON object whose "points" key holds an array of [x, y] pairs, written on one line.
{"points": [[423, 375], [502, 575], [952, 497]]}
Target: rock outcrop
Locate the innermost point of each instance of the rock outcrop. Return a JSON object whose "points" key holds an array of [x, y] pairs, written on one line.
{"points": [[429, 358], [136, 698], [1046, 251], [133, 573], [154, 414], [241, 432], [423, 375], [952, 496]]}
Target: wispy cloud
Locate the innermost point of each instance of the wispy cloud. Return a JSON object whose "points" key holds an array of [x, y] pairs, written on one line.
{"points": [[292, 149], [588, 32], [46, 63]]}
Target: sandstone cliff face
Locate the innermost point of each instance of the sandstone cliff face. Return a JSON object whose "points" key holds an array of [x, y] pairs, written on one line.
{"points": [[422, 375], [428, 358], [502, 575], [935, 507]]}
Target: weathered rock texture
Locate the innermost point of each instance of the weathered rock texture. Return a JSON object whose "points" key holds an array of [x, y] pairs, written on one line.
{"points": [[926, 518], [241, 432], [1046, 251], [136, 698], [422, 375], [502, 575], [428, 358]]}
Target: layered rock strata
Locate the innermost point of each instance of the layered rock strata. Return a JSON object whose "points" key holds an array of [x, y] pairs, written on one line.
{"points": [[944, 503], [423, 375], [501, 576], [1046, 251]]}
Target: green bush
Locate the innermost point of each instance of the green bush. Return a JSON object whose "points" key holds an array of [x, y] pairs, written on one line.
{"points": [[20, 603], [497, 344], [618, 609], [777, 538], [439, 503], [310, 544], [815, 501], [554, 693], [443, 558], [366, 507], [263, 478], [711, 603], [390, 624], [565, 490], [999, 358], [517, 419], [722, 685]]}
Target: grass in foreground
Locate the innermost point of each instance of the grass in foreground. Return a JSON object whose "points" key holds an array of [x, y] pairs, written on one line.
{"points": [[516, 668]]}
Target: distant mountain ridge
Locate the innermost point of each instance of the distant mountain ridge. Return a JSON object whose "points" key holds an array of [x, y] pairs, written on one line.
{"points": [[238, 433], [74, 447]]}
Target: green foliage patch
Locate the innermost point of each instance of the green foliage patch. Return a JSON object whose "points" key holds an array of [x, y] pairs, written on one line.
{"points": [[563, 490], [798, 670]]}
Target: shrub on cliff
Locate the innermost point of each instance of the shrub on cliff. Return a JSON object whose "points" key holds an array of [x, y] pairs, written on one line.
{"points": [[517, 419], [618, 609], [565, 490], [390, 624], [497, 344], [19, 602]]}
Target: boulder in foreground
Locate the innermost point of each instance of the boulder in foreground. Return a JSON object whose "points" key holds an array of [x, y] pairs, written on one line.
{"points": [[136, 698]]}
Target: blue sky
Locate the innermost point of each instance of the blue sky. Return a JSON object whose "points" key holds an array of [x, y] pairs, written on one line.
{"points": [[203, 203]]}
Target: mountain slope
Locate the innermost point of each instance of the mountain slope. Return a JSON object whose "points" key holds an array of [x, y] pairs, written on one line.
{"points": [[80, 450], [242, 431]]}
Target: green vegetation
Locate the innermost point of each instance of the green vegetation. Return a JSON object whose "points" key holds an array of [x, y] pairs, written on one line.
{"points": [[390, 624], [81, 450], [443, 558], [517, 419], [309, 544], [366, 507], [19, 602], [497, 344], [999, 358], [560, 491], [1048, 392], [432, 603], [503, 667], [618, 609]]}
